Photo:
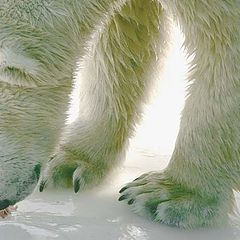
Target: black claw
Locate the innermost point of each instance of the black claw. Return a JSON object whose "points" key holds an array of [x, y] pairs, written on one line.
{"points": [[123, 197], [136, 179], [140, 177], [131, 201], [42, 186], [51, 158], [76, 185], [123, 189]]}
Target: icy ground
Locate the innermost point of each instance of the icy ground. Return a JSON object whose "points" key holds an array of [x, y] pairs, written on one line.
{"points": [[96, 214]]}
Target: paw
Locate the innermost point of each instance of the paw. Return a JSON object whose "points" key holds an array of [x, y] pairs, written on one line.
{"points": [[157, 197], [70, 171]]}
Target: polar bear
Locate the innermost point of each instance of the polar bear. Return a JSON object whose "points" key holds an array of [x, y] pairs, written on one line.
{"points": [[119, 42]]}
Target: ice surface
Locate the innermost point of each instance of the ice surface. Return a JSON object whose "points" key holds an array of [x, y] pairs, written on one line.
{"points": [[96, 214]]}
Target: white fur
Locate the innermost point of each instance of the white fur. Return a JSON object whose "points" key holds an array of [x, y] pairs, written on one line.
{"points": [[13, 59], [118, 43]]}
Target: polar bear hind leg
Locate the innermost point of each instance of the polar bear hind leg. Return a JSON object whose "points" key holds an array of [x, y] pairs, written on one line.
{"points": [[196, 189]]}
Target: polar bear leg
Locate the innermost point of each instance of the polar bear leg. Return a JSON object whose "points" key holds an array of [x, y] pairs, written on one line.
{"points": [[196, 189], [115, 79]]}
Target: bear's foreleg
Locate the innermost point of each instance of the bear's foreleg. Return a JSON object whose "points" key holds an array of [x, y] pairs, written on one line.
{"points": [[116, 77]]}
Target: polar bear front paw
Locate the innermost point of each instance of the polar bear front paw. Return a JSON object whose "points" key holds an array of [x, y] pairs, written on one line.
{"points": [[69, 171], [157, 197]]}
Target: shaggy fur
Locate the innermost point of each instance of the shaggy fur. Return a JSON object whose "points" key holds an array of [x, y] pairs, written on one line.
{"points": [[119, 42]]}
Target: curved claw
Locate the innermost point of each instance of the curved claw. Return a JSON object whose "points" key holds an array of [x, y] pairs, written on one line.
{"points": [[123, 189], [123, 197], [76, 185], [131, 201], [42, 185]]}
